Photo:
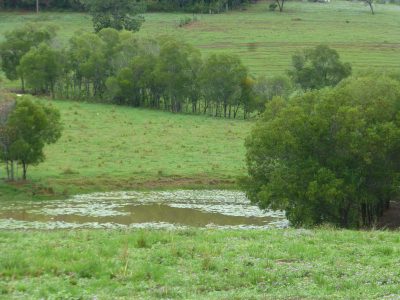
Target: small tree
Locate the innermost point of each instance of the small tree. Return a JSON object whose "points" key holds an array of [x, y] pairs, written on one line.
{"points": [[17, 43], [117, 14], [318, 67], [33, 126]]}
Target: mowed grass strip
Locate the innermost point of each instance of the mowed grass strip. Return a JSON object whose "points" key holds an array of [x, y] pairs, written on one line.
{"points": [[265, 40], [200, 264], [107, 147]]}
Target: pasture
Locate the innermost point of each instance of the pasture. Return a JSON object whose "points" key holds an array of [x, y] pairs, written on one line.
{"points": [[200, 264], [106, 147], [264, 40]]}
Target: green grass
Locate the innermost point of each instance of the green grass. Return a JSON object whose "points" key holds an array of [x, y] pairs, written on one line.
{"points": [[266, 40], [200, 264], [106, 147]]}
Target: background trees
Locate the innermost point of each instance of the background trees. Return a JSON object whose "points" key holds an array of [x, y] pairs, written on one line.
{"points": [[25, 128], [329, 156], [117, 14], [116, 66], [18, 42], [41, 67], [318, 67]]}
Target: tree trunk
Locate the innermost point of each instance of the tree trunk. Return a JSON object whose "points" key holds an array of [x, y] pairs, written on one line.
{"points": [[24, 167]]}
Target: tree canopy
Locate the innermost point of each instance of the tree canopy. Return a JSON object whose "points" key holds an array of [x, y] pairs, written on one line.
{"points": [[117, 14], [328, 156], [26, 126], [315, 68], [18, 42]]}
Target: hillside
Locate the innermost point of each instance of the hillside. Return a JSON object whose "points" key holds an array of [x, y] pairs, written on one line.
{"points": [[107, 147], [265, 40]]}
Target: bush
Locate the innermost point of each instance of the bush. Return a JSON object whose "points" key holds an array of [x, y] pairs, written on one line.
{"points": [[273, 6], [328, 156]]}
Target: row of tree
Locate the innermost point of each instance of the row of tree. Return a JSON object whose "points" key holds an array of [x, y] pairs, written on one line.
{"points": [[117, 67], [26, 127], [196, 6]]}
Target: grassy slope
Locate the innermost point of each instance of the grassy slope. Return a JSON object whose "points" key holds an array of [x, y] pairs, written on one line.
{"points": [[276, 264], [265, 40], [107, 147]]}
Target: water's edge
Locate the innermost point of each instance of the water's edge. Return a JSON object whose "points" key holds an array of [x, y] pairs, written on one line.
{"points": [[222, 209]]}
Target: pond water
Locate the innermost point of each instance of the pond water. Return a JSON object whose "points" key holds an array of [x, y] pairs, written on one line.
{"points": [[159, 209]]}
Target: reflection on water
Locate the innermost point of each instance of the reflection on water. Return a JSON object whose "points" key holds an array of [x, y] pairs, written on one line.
{"points": [[186, 208]]}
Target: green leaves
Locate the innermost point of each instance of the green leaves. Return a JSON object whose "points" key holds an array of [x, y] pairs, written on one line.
{"points": [[117, 14], [318, 67], [328, 155], [33, 126]]}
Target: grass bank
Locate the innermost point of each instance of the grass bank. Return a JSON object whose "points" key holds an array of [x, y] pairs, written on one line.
{"points": [[200, 264], [264, 40], [106, 147]]}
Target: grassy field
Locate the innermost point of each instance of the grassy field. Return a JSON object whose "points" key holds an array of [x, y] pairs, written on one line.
{"points": [[203, 264], [265, 40], [105, 147]]}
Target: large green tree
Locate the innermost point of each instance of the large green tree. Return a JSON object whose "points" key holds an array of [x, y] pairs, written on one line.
{"points": [[30, 126], [328, 156], [315, 68], [117, 14]]}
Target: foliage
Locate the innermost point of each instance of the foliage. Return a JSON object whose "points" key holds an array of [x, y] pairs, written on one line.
{"points": [[29, 126], [272, 6], [318, 67], [195, 6], [329, 156], [117, 14], [222, 77], [334, 24], [266, 89], [41, 67], [75, 5], [18, 42]]}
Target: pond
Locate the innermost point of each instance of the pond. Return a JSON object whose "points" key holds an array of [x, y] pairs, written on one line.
{"points": [[156, 209]]}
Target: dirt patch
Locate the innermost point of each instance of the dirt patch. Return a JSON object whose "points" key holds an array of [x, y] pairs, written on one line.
{"points": [[391, 218]]}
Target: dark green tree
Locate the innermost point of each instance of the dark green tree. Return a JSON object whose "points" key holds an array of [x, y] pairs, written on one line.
{"points": [[33, 125], [318, 67], [222, 81], [18, 42], [328, 156], [41, 67], [117, 14]]}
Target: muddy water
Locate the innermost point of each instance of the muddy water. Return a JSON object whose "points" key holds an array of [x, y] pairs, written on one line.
{"points": [[186, 208]]}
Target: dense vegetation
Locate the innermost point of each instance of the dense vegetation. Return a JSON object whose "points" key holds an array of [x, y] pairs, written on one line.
{"points": [[200, 264], [117, 67], [329, 156], [257, 36], [198, 6]]}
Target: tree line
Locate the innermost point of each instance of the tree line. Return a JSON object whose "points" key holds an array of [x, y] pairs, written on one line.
{"points": [[117, 67], [193, 6]]}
